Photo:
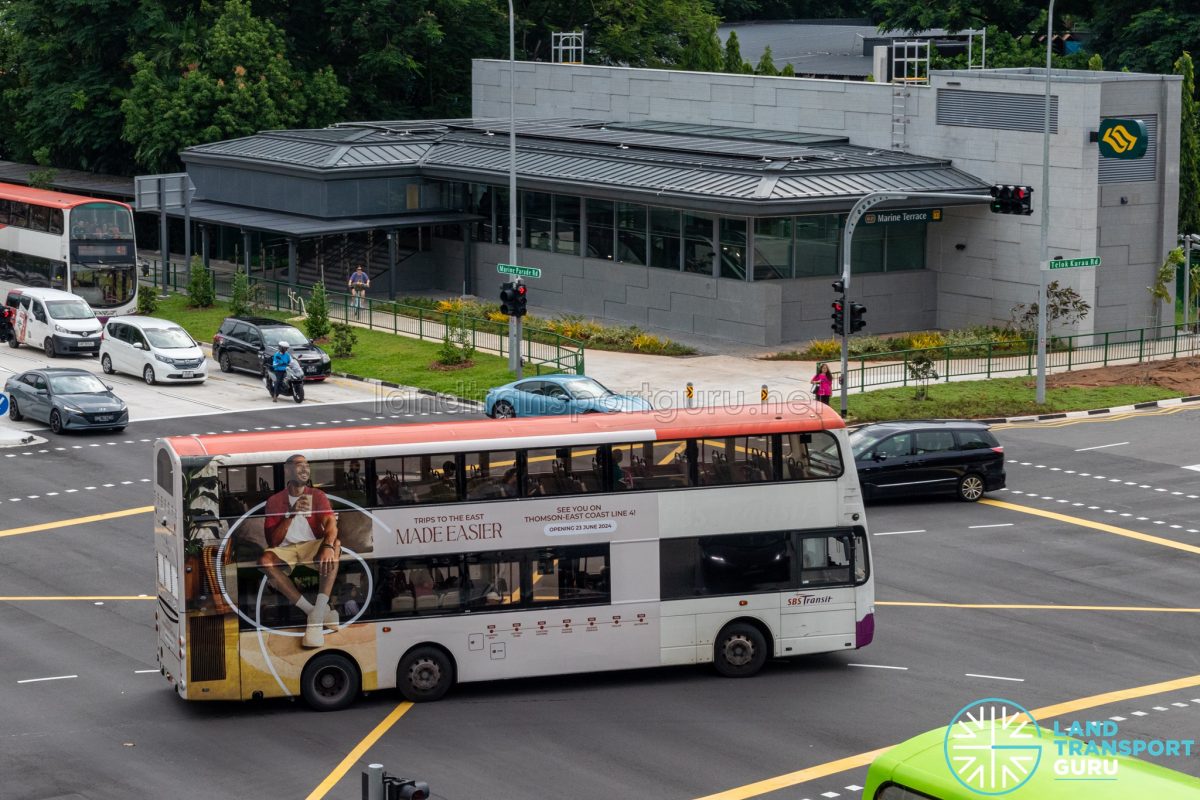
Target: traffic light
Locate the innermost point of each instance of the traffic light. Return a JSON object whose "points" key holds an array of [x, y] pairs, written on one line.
{"points": [[404, 789], [839, 286], [508, 299], [839, 316], [521, 300], [857, 323], [1007, 199]]}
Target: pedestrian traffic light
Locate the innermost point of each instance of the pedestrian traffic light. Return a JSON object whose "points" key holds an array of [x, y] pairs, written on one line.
{"points": [[1007, 199], [522, 291], [839, 286], [839, 317], [857, 323], [508, 299]]}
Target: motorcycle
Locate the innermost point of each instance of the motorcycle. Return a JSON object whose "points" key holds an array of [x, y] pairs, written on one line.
{"points": [[293, 381]]}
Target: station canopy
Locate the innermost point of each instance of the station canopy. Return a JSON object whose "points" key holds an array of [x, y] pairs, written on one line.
{"points": [[725, 169]]}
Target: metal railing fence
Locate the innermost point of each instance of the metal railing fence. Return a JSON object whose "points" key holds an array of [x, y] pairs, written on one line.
{"points": [[1019, 357], [545, 351]]}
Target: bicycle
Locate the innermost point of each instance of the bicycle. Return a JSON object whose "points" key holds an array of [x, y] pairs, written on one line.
{"points": [[356, 303]]}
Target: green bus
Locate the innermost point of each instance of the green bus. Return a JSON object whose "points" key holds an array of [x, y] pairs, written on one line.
{"points": [[920, 769]]}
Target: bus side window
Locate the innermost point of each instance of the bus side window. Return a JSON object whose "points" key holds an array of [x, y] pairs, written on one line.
{"points": [[56, 220], [825, 560]]}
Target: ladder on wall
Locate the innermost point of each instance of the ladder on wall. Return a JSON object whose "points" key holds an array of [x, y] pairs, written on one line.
{"points": [[910, 67]]}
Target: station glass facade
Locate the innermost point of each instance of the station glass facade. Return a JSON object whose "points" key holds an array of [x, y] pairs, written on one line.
{"points": [[732, 247]]}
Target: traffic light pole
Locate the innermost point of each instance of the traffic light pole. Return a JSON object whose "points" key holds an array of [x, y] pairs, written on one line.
{"points": [[514, 323], [866, 203]]}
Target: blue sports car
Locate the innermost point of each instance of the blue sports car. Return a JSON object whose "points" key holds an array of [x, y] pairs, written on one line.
{"points": [[557, 394]]}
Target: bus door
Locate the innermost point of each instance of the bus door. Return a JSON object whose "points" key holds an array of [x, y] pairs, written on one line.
{"points": [[820, 615]]}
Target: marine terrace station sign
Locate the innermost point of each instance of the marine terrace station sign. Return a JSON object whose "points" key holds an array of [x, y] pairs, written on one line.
{"points": [[906, 215], [1123, 138]]}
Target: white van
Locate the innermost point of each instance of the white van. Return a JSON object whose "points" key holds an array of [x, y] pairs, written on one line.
{"points": [[55, 321], [155, 349]]}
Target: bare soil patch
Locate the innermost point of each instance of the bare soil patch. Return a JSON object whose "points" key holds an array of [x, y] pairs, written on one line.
{"points": [[1179, 374]]}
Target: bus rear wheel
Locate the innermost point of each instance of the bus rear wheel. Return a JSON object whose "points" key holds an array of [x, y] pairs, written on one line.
{"points": [[741, 650], [425, 674], [330, 682]]}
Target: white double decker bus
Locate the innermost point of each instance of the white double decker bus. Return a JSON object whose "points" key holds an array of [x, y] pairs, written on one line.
{"points": [[482, 550], [82, 245]]}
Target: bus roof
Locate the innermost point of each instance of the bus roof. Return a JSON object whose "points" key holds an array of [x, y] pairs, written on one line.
{"points": [[660, 425], [43, 197], [920, 764]]}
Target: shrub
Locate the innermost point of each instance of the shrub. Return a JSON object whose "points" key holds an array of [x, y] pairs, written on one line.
{"points": [[344, 339], [147, 300], [316, 324], [926, 341], [456, 342], [239, 295], [201, 292], [921, 371], [866, 345], [823, 349]]}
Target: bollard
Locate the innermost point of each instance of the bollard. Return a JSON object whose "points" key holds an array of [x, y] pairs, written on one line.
{"points": [[372, 782], [690, 394], [763, 393]]}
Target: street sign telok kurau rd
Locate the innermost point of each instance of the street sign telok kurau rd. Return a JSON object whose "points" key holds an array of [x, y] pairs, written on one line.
{"points": [[1066, 263]]}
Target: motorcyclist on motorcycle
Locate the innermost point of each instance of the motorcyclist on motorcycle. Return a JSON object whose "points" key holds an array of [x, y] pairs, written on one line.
{"points": [[279, 365]]}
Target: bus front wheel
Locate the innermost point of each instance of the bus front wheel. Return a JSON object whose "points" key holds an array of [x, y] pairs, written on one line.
{"points": [[330, 682], [741, 650], [425, 674]]}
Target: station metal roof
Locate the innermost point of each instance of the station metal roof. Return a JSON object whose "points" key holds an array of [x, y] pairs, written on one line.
{"points": [[756, 171]]}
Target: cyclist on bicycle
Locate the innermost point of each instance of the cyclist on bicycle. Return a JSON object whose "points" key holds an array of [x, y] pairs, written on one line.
{"points": [[279, 365], [359, 282]]}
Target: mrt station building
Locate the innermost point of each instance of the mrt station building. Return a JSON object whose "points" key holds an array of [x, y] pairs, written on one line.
{"points": [[713, 205]]}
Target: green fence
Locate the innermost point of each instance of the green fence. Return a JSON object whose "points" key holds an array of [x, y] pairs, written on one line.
{"points": [[988, 360], [544, 351]]}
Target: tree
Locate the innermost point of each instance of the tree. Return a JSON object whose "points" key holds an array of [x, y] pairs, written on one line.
{"points": [[201, 293], [1095, 63], [703, 54], [921, 372], [1189, 148], [317, 322], [788, 70], [1145, 37], [1063, 304], [239, 295], [65, 74], [733, 54], [227, 80], [766, 64]]}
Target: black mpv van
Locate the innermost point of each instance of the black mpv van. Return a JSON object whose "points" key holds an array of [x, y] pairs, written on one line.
{"points": [[906, 458]]}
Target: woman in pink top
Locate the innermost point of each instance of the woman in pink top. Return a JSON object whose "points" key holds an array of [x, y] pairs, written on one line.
{"points": [[823, 384]]}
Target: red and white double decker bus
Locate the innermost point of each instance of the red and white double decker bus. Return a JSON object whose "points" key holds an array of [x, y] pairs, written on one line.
{"points": [[82, 245], [481, 550]]}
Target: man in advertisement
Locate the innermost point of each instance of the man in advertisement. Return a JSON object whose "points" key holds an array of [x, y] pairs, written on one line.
{"points": [[301, 528]]}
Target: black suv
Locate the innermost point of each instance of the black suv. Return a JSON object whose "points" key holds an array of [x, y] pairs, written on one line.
{"points": [[249, 343], [914, 457]]}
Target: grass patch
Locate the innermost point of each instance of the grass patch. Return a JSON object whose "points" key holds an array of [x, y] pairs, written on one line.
{"points": [[386, 356], [999, 397]]}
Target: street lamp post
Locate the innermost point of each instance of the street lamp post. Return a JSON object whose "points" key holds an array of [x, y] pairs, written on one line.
{"points": [[1042, 272], [1188, 240], [514, 336]]}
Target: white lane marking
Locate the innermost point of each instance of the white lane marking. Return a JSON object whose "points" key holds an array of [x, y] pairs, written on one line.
{"points": [[994, 677], [1139, 713], [1117, 719], [54, 678], [998, 525], [1160, 708], [1100, 447], [1195, 467], [1180, 705], [143, 671], [897, 533], [246, 410], [876, 666], [854, 788]]}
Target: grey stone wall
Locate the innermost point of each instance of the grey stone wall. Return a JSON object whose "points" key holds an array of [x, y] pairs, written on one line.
{"points": [[998, 263]]}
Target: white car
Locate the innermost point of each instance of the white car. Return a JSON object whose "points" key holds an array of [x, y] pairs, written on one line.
{"points": [[156, 349]]}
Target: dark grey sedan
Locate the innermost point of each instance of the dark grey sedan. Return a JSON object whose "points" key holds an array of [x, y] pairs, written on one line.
{"points": [[66, 399]]}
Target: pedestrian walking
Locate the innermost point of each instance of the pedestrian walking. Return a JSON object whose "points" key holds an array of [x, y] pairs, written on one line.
{"points": [[822, 384]]}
